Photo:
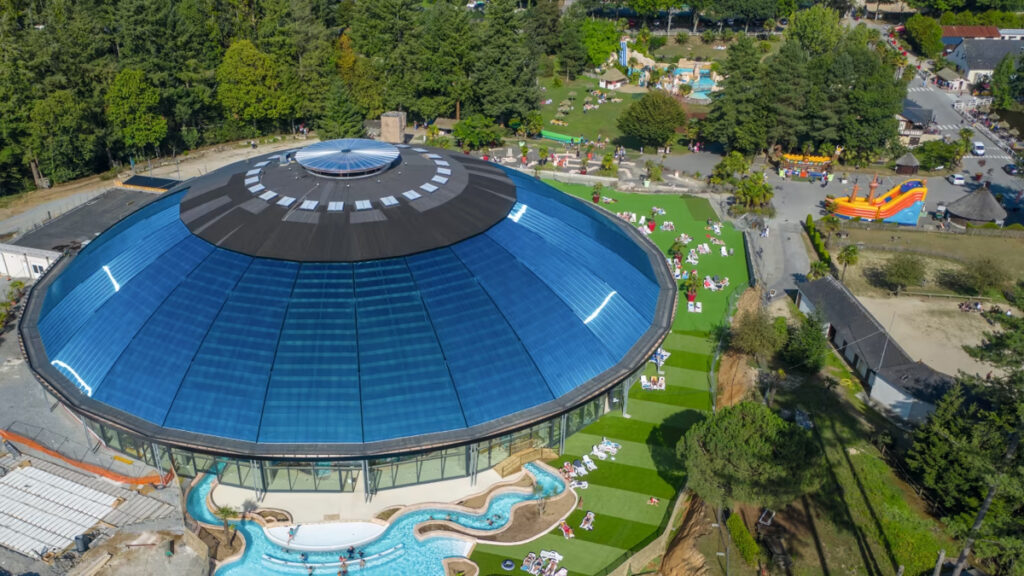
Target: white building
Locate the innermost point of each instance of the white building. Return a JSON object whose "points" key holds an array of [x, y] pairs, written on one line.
{"points": [[900, 386], [977, 58], [22, 262]]}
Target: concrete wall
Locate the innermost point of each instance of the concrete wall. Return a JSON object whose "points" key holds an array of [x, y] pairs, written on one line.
{"points": [[25, 263]]}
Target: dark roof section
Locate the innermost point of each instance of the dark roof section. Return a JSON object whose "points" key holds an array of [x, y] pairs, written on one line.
{"points": [[948, 74], [854, 324], [916, 114], [908, 159], [985, 54], [452, 202], [980, 206], [85, 222], [970, 32], [149, 183]]}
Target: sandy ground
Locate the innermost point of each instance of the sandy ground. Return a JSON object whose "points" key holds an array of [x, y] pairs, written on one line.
{"points": [[736, 378], [933, 331], [682, 557], [182, 167]]}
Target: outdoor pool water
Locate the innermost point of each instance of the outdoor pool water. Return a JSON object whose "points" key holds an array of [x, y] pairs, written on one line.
{"points": [[396, 551]]}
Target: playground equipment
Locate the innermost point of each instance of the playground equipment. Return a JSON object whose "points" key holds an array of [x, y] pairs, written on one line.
{"points": [[901, 205]]}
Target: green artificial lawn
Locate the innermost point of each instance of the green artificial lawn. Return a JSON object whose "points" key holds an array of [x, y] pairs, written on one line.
{"points": [[602, 122], [646, 464]]}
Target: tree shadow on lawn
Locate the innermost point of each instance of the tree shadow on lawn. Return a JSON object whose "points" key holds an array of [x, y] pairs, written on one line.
{"points": [[835, 428], [663, 439]]}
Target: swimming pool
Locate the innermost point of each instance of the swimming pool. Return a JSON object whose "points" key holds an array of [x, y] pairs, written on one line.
{"points": [[395, 551]]}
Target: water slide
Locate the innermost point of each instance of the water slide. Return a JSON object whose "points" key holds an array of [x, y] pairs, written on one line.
{"points": [[901, 205]]}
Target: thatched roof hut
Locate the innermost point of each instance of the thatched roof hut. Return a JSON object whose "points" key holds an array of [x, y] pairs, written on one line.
{"points": [[907, 164], [977, 207]]}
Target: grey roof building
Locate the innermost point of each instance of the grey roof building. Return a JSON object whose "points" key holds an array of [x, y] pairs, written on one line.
{"points": [[978, 57], [905, 388]]}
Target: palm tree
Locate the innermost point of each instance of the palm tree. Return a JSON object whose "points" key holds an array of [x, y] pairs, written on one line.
{"points": [[226, 513], [848, 257], [819, 269]]}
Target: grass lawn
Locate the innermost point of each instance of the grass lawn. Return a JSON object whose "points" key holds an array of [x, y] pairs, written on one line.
{"points": [[601, 122], [646, 465], [695, 49], [962, 247]]}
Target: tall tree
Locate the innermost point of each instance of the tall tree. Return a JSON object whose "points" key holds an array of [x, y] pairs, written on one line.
{"points": [[746, 453], [903, 270], [249, 86], [737, 114], [442, 52], [601, 39], [543, 27], [131, 110], [783, 90], [1003, 96], [925, 35], [380, 31], [653, 119], [816, 29], [61, 140], [343, 117], [848, 256], [572, 54], [505, 74]]}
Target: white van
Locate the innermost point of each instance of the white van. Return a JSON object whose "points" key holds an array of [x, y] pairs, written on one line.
{"points": [[978, 149]]}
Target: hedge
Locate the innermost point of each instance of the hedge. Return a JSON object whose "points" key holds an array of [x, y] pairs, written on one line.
{"points": [[745, 543]]}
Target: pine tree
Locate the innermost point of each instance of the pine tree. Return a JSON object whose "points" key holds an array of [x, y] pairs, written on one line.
{"points": [[505, 73], [783, 89], [343, 118], [737, 114], [572, 54], [441, 52]]}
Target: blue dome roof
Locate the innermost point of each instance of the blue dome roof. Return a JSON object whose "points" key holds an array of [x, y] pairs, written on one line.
{"points": [[157, 323]]}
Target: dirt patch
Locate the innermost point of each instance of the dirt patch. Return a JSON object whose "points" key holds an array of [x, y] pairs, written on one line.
{"points": [[479, 500], [222, 545], [932, 330], [457, 566], [682, 557], [736, 378], [527, 521]]}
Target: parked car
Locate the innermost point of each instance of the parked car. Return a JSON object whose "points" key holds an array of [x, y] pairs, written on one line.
{"points": [[956, 179], [1011, 169], [978, 149]]}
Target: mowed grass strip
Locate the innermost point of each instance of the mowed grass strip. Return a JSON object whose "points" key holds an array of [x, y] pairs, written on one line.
{"points": [[580, 557], [608, 529], [653, 412], [619, 474]]}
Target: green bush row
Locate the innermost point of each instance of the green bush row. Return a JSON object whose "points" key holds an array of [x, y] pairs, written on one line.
{"points": [[816, 240], [745, 543]]}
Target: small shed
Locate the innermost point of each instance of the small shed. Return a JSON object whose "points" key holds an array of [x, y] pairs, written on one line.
{"points": [[978, 207], [612, 79], [445, 125], [907, 164]]}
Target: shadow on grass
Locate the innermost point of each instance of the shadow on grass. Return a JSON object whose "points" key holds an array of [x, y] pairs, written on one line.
{"points": [[663, 440]]}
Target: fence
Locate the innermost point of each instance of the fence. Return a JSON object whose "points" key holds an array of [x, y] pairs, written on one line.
{"points": [[889, 227]]}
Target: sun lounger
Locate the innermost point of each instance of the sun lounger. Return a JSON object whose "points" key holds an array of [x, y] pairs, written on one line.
{"points": [[690, 307], [528, 562], [580, 469], [562, 572], [644, 382], [579, 484], [697, 305], [566, 530], [608, 443], [597, 453], [589, 463], [551, 555], [725, 251], [588, 521]]}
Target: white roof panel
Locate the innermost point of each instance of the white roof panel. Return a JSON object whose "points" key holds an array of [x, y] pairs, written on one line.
{"points": [[308, 205], [335, 206], [411, 194], [268, 195], [363, 205], [389, 201], [257, 188], [286, 201], [428, 187]]}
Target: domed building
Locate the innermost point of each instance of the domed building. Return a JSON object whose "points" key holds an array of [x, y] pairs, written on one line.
{"points": [[349, 313]]}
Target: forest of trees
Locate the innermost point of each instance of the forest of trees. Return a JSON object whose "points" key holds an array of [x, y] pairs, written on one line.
{"points": [[828, 86], [86, 85]]}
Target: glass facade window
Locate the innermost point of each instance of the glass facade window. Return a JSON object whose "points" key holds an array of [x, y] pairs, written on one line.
{"points": [[346, 475]]}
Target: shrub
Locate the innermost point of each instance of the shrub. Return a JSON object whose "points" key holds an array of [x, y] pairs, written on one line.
{"points": [[682, 37], [745, 543], [764, 46], [708, 36], [727, 35], [656, 42]]}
